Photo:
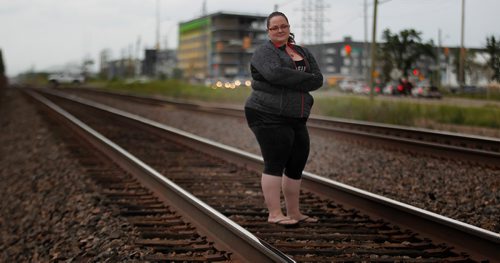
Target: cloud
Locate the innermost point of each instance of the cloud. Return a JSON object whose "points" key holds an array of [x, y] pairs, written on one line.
{"points": [[45, 33]]}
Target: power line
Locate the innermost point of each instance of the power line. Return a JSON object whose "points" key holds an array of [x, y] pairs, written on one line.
{"points": [[313, 20], [277, 6]]}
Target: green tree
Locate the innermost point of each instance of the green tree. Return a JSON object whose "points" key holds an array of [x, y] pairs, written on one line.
{"points": [[493, 48], [403, 50], [386, 64]]}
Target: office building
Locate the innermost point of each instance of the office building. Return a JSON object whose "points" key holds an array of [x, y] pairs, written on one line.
{"points": [[219, 45]]}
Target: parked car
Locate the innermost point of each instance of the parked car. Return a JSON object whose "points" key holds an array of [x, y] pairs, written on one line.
{"points": [[65, 78], [424, 89], [360, 88], [365, 89], [351, 85], [434, 92], [393, 88]]}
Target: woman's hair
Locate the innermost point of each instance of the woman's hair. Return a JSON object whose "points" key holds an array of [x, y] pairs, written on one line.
{"points": [[291, 38]]}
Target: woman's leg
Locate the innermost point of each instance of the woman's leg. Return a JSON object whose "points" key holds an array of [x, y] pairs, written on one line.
{"points": [[275, 139], [291, 192], [271, 188], [293, 171], [275, 144]]}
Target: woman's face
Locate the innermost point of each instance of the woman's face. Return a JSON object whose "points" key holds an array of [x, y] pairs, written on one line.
{"points": [[278, 30]]}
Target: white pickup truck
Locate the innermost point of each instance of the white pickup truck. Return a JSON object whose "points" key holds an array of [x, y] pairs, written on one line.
{"points": [[65, 78]]}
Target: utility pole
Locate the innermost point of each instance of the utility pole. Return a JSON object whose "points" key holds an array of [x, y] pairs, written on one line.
{"points": [[438, 59], [137, 70], [461, 76], [365, 66], [204, 8], [3, 77], [157, 25], [373, 49]]}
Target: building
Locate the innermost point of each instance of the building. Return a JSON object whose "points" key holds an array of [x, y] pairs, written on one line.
{"points": [[119, 69], [351, 59], [338, 60], [219, 45], [476, 70], [159, 63]]}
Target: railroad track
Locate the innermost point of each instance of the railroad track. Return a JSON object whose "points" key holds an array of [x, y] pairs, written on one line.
{"points": [[179, 227], [477, 150], [355, 225]]}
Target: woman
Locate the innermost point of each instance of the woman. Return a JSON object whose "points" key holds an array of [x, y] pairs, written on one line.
{"points": [[277, 110]]}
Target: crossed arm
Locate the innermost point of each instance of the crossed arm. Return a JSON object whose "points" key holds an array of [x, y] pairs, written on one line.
{"points": [[266, 69]]}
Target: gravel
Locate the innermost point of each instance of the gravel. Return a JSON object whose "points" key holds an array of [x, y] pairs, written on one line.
{"points": [[457, 190], [50, 211]]}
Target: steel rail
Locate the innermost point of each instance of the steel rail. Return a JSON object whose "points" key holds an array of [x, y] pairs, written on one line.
{"points": [[229, 235], [481, 244], [471, 155], [471, 148], [479, 148]]}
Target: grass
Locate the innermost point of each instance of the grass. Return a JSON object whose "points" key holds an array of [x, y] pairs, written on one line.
{"points": [[349, 107], [360, 108], [489, 93], [181, 90], [492, 95], [408, 113]]}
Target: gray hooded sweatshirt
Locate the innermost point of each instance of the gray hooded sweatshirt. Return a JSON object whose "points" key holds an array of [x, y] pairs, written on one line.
{"points": [[279, 88]]}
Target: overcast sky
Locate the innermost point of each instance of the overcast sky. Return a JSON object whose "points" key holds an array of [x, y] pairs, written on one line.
{"points": [[50, 34]]}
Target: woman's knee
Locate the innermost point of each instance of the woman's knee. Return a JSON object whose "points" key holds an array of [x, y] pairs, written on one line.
{"points": [[294, 175]]}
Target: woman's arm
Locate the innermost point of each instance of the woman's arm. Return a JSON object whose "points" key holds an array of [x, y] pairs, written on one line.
{"points": [[267, 65], [313, 83]]}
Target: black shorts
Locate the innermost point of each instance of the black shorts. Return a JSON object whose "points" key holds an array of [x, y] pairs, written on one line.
{"points": [[283, 141]]}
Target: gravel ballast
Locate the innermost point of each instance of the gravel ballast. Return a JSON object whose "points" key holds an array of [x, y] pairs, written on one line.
{"points": [[461, 191], [50, 210]]}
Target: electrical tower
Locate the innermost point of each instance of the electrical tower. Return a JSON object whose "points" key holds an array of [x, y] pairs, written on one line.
{"points": [[313, 20], [307, 21], [204, 8]]}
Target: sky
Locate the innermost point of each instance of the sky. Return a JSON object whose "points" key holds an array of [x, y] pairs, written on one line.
{"points": [[51, 35]]}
